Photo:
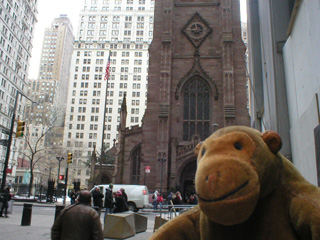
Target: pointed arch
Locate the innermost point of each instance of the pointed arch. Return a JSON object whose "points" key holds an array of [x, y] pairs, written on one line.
{"points": [[196, 108], [135, 160]]}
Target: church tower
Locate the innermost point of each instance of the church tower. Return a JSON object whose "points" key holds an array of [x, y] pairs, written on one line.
{"points": [[197, 81]]}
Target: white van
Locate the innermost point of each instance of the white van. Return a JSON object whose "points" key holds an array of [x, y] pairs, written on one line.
{"points": [[137, 194]]}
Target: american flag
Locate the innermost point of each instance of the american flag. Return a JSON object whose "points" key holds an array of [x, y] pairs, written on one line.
{"points": [[106, 76]]}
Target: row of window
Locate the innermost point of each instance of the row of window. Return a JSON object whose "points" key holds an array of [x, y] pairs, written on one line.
{"points": [[80, 144], [117, 8], [117, 18], [112, 77], [101, 53], [112, 69]]}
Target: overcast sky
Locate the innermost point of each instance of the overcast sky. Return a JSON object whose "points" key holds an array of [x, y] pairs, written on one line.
{"points": [[48, 10]]}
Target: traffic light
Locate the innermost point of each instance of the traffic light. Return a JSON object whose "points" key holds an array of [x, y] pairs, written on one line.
{"points": [[20, 128], [69, 158], [61, 177]]}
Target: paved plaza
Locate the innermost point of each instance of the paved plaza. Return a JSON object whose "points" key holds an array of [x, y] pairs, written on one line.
{"points": [[42, 221]]}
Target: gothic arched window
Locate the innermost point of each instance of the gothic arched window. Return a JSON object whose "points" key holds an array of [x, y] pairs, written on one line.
{"points": [[196, 109], [136, 163]]}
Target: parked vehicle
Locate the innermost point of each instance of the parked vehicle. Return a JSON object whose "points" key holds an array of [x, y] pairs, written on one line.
{"points": [[137, 194]]}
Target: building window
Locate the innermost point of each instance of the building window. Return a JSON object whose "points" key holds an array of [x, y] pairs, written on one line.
{"points": [[136, 164], [196, 114]]}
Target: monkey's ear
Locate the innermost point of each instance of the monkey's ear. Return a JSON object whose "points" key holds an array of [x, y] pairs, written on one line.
{"points": [[197, 149], [273, 141]]}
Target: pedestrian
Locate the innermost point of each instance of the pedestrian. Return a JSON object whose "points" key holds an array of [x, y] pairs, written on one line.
{"points": [[192, 200], [5, 198], [120, 203], [159, 200], [170, 198], [73, 197], [154, 199], [123, 191], [97, 199], [178, 199], [78, 221], [108, 201]]}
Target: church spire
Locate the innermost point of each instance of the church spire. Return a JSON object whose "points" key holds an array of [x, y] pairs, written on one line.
{"points": [[123, 113]]}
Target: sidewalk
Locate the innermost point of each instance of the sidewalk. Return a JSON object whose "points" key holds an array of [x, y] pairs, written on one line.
{"points": [[42, 221]]}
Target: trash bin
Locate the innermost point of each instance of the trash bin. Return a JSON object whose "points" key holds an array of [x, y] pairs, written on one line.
{"points": [[26, 214], [10, 206]]}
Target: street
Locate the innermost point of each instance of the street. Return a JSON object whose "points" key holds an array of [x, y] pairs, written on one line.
{"points": [[42, 220]]}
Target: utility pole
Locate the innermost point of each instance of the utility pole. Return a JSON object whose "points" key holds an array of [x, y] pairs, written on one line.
{"points": [[59, 159], [4, 173], [6, 162]]}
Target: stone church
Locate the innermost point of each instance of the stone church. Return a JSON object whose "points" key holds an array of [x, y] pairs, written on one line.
{"points": [[197, 84]]}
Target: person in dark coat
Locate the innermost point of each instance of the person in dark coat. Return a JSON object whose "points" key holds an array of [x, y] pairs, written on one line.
{"points": [[178, 199], [73, 197], [108, 200], [120, 203], [123, 191], [5, 198], [78, 221], [97, 199]]}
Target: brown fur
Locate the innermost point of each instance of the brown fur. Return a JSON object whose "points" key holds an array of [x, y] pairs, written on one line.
{"points": [[247, 190]]}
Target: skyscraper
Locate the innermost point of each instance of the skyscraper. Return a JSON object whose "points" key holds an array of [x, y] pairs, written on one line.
{"points": [[17, 28], [123, 29], [45, 120]]}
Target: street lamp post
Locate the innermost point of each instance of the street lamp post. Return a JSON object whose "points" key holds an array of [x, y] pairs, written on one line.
{"points": [[162, 160]]}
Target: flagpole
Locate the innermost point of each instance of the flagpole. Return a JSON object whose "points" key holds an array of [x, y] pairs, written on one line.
{"points": [[104, 120]]}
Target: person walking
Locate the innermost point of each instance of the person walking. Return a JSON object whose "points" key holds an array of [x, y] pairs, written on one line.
{"points": [[5, 198], [97, 199], [124, 194], [78, 221], [170, 198], [155, 197], [159, 200], [177, 199], [73, 197], [108, 199]]}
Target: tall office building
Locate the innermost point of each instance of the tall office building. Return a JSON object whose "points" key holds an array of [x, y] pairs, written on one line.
{"points": [[123, 28], [45, 120], [17, 20], [54, 71]]}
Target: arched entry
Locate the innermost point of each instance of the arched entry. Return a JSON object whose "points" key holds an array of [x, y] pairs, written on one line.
{"points": [[105, 179], [187, 179]]}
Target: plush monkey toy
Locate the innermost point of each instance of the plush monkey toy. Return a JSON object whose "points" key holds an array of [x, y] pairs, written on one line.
{"points": [[247, 190]]}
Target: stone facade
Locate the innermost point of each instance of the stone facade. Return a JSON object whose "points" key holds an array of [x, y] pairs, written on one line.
{"points": [[197, 80]]}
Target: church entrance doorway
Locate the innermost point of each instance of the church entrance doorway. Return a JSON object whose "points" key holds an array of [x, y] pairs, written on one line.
{"points": [[105, 179], [187, 180]]}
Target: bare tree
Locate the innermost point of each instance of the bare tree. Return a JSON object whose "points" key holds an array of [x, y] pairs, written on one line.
{"points": [[34, 148], [36, 140]]}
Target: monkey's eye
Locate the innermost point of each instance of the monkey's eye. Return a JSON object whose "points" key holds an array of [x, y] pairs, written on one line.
{"points": [[238, 146], [203, 152]]}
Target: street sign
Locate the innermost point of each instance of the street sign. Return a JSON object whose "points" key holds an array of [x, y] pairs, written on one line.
{"points": [[148, 169], [6, 132], [4, 142], [8, 170]]}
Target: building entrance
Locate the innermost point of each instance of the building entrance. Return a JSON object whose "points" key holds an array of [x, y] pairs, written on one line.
{"points": [[187, 180]]}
